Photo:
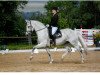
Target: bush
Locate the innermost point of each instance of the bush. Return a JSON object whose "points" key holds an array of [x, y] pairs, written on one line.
{"points": [[97, 27], [97, 39], [97, 36]]}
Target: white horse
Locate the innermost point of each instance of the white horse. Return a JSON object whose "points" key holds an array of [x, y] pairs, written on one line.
{"points": [[44, 41]]}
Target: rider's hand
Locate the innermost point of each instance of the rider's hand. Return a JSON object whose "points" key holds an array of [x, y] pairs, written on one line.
{"points": [[47, 25]]}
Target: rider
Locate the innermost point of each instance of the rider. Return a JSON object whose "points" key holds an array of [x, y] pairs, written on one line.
{"points": [[54, 23]]}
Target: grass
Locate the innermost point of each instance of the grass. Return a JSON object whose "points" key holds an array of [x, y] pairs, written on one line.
{"points": [[23, 46], [17, 46]]}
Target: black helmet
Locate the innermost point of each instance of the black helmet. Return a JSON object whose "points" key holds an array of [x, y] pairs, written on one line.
{"points": [[55, 8]]}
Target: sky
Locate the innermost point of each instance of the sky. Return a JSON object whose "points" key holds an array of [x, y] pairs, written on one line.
{"points": [[35, 5]]}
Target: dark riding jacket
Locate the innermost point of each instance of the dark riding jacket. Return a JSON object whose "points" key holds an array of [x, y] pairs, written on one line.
{"points": [[54, 20]]}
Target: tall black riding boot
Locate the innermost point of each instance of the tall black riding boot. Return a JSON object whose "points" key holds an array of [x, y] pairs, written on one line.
{"points": [[54, 41]]}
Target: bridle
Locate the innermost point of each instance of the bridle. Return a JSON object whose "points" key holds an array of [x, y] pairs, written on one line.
{"points": [[36, 30]]}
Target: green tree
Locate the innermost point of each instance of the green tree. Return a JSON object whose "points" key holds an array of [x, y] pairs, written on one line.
{"points": [[11, 22], [89, 12], [67, 9], [74, 14]]}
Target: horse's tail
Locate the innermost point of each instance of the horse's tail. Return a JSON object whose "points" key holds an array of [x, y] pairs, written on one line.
{"points": [[81, 40]]}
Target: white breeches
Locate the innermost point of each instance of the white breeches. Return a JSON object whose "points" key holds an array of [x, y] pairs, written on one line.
{"points": [[54, 29]]}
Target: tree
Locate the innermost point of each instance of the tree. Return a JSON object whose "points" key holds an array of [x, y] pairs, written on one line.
{"points": [[67, 10], [74, 14], [89, 14], [10, 18]]}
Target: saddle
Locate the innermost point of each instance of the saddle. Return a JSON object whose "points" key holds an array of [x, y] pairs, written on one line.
{"points": [[57, 34]]}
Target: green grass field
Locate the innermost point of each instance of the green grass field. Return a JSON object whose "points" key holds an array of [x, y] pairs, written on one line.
{"points": [[16, 47], [23, 46]]}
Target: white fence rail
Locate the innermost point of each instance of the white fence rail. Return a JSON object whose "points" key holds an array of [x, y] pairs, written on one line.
{"points": [[43, 50]]}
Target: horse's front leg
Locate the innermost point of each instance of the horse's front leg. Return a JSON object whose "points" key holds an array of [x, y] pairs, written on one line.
{"points": [[32, 53], [43, 44], [49, 54]]}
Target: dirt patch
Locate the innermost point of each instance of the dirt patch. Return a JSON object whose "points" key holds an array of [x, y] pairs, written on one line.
{"points": [[19, 62]]}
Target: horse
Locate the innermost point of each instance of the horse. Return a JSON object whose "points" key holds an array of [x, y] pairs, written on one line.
{"points": [[68, 35]]}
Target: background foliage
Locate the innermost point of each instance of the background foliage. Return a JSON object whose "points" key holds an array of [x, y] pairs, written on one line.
{"points": [[73, 14], [11, 21]]}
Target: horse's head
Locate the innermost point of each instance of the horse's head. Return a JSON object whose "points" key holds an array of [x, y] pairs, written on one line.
{"points": [[34, 25], [29, 27]]}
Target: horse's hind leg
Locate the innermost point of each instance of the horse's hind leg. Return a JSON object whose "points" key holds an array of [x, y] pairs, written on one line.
{"points": [[75, 44], [81, 53], [68, 50], [82, 57]]}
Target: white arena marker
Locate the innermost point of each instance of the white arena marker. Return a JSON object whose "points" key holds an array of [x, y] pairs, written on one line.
{"points": [[55, 49], [3, 52], [94, 48], [7, 50]]}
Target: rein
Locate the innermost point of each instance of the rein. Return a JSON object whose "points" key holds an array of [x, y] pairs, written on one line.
{"points": [[40, 29]]}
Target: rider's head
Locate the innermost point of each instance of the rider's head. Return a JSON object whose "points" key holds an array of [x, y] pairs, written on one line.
{"points": [[54, 10]]}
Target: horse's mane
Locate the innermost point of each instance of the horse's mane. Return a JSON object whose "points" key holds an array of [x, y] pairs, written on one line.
{"points": [[38, 22]]}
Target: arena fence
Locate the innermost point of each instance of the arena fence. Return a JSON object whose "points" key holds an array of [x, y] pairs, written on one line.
{"points": [[17, 42], [88, 33], [43, 50], [4, 40]]}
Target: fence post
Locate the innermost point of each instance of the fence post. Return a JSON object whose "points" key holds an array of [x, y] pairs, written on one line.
{"points": [[29, 39]]}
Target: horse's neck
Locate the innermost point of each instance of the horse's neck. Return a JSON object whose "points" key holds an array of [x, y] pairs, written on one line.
{"points": [[41, 31], [38, 26]]}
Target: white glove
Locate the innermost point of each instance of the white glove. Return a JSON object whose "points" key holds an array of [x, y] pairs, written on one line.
{"points": [[47, 25]]}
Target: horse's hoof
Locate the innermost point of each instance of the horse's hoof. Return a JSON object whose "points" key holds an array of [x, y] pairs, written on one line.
{"points": [[51, 61], [31, 58], [82, 62], [62, 58]]}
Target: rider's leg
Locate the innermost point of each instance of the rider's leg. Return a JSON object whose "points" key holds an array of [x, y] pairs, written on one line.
{"points": [[54, 29], [54, 41]]}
